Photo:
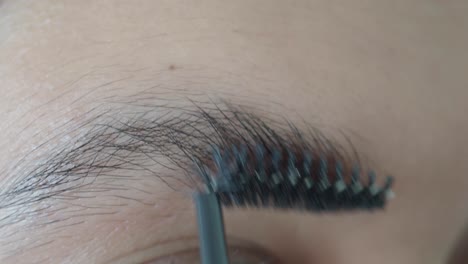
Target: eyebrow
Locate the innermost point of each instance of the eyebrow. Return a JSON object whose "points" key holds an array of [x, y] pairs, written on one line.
{"points": [[143, 139]]}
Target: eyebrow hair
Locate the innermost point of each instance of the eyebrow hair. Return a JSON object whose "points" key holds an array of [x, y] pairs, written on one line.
{"points": [[144, 139]]}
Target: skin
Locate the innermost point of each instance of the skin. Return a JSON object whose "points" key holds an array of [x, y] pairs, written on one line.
{"points": [[392, 73]]}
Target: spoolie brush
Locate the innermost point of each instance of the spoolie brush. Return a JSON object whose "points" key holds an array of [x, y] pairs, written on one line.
{"points": [[257, 176], [279, 177], [254, 164]]}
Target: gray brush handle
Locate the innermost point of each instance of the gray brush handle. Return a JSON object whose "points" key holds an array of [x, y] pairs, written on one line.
{"points": [[210, 229]]}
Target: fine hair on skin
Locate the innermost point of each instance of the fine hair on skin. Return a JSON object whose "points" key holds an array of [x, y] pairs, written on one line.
{"points": [[168, 140]]}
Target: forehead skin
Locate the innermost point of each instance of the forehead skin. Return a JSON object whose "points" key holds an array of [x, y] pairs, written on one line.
{"points": [[392, 72]]}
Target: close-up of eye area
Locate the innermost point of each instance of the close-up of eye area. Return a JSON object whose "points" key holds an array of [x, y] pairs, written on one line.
{"points": [[136, 154], [233, 132]]}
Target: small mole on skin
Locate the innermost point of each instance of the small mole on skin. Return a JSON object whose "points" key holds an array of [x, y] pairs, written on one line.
{"points": [[172, 67]]}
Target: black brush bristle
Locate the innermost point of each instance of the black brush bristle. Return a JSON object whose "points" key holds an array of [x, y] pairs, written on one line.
{"points": [[254, 176]]}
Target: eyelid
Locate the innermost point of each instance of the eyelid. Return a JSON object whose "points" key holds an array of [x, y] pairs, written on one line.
{"points": [[185, 250], [237, 255]]}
